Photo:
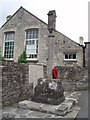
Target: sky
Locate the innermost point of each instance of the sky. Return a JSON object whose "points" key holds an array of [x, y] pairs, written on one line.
{"points": [[72, 15]]}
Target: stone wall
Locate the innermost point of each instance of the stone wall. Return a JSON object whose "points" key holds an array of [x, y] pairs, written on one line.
{"points": [[73, 78], [15, 83], [16, 86]]}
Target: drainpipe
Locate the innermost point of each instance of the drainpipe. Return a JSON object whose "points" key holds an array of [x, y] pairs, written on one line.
{"points": [[84, 55]]}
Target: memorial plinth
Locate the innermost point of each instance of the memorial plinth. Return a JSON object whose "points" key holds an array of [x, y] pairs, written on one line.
{"points": [[49, 92]]}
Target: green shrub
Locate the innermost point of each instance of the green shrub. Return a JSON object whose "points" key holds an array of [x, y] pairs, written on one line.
{"points": [[0, 57], [3, 58], [22, 58]]}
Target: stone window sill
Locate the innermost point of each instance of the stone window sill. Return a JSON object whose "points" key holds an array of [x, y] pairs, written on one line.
{"points": [[70, 60], [32, 59], [8, 59]]}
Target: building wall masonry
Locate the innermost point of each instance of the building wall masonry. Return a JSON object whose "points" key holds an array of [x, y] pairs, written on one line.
{"points": [[23, 20], [19, 23]]}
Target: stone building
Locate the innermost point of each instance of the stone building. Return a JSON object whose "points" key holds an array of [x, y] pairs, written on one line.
{"points": [[45, 48], [24, 31]]}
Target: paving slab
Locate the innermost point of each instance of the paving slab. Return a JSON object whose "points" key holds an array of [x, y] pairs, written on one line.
{"points": [[21, 111], [67, 104], [36, 114], [73, 112], [71, 100], [29, 109], [76, 95], [64, 107], [7, 115], [61, 109], [8, 109], [34, 106], [23, 104], [48, 108]]}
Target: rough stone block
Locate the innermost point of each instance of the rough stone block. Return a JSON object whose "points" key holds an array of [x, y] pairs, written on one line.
{"points": [[49, 92]]}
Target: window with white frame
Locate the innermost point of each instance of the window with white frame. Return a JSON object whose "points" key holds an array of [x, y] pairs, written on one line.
{"points": [[32, 43], [9, 45], [70, 56]]}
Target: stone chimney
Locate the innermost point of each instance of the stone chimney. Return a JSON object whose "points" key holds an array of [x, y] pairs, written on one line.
{"points": [[52, 21], [81, 40], [8, 17]]}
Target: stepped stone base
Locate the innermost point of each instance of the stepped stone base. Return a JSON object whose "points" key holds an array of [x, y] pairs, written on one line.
{"points": [[49, 92]]}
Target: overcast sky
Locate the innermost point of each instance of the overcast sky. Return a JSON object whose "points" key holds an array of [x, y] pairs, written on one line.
{"points": [[72, 15]]}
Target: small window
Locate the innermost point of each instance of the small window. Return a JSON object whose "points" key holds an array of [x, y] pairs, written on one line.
{"points": [[70, 56]]}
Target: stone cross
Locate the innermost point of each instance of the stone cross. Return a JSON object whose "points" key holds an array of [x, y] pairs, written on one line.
{"points": [[51, 21], [51, 42]]}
